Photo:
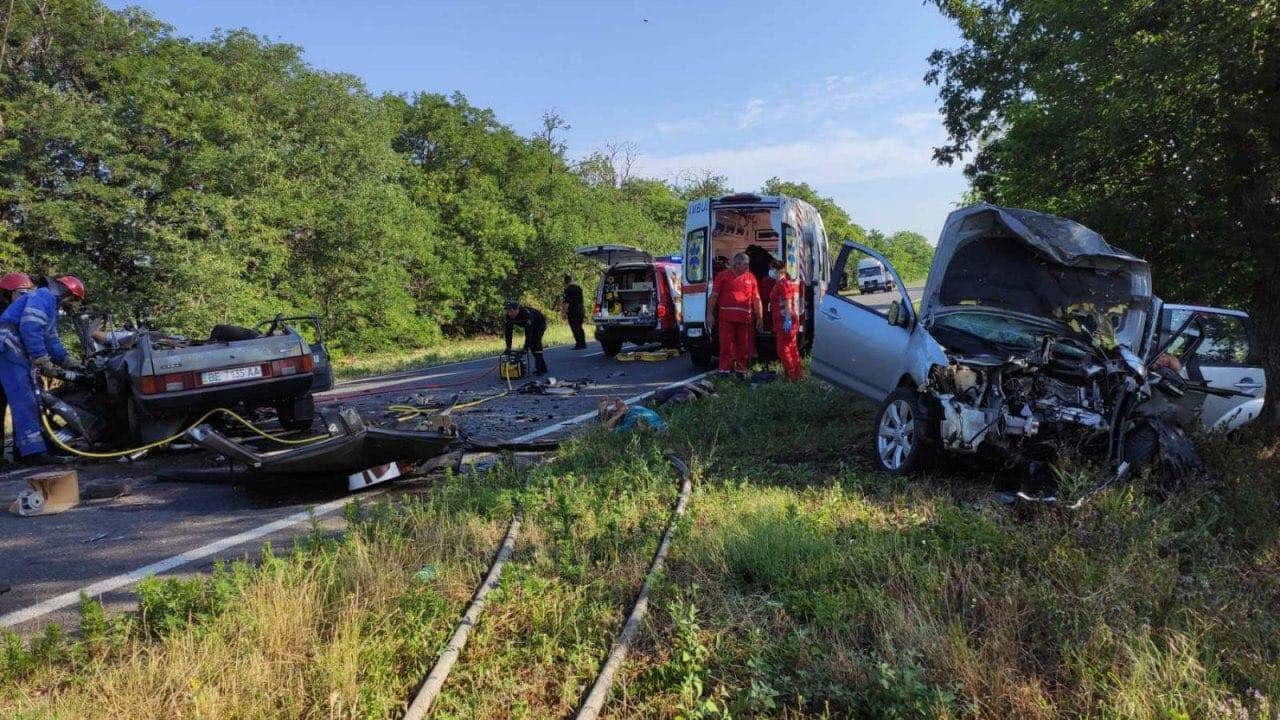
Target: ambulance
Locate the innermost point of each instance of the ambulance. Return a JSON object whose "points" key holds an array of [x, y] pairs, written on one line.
{"points": [[765, 228]]}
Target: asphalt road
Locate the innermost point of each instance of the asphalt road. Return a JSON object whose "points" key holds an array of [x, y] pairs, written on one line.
{"points": [[170, 528], [880, 301]]}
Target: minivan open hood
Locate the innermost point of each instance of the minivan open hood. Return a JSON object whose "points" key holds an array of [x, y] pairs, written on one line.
{"points": [[1036, 264], [611, 255]]}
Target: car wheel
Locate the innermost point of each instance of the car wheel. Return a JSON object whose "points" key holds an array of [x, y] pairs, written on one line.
{"points": [[296, 413], [610, 346], [900, 443]]}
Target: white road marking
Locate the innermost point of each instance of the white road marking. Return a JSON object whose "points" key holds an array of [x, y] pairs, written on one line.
{"points": [[588, 415], [428, 369], [67, 599], [113, 583]]}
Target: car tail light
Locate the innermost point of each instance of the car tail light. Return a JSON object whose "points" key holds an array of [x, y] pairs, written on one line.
{"points": [[663, 312], [597, 312], [172, 382], [290, 366]]}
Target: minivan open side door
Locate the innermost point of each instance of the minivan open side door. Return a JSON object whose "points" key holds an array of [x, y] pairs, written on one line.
{"points": [[855, 345], [1219, 349]]}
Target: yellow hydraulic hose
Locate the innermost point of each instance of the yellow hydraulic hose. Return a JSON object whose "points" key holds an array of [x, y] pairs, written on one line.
{"points": [[409, 412], [165, 441]]}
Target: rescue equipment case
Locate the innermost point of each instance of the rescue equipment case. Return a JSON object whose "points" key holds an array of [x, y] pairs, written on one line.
{"points": [[513, 365]]}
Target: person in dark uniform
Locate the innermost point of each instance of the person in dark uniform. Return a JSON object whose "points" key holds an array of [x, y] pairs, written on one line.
{"points": [[575, 311], [534, 324]]}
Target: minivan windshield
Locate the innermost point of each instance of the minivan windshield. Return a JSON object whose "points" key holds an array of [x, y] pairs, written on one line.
{"points": [[984, 332]]}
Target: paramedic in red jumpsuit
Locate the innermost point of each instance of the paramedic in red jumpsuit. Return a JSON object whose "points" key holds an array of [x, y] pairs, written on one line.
{"points": [[784, 304], [735, 304]]}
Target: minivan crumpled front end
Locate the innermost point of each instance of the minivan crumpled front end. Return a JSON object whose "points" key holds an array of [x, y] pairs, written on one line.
{"points": [[1040, 320]]}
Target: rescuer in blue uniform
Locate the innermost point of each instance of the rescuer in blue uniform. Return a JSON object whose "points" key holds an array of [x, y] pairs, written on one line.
{"points": [[29, 338], [12, 286]]}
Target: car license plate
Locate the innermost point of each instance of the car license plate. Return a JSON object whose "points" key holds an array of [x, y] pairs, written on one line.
{"points": [[214, 377]]}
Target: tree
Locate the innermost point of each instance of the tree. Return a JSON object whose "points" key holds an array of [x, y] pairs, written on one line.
{"points": [[1156, 124], [696, 184], [839, 225], [910, 254]]}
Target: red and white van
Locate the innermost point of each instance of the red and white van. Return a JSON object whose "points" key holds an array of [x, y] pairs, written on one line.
{"points": [[638, 298]]}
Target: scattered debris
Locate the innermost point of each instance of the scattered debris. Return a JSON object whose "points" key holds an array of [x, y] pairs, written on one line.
{"points": [[352, 448], [105, 490], [683, 393], [48, 493], [552, 386], [419, 399], [615, 413], [648, 355], [372, 476]]}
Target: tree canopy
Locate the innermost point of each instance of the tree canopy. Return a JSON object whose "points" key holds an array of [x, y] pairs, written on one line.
{"points": [[225, 180], [1156, 124]]}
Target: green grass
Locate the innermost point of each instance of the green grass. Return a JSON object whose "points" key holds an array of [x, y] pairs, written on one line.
{"points": [[365, 364], [802, 585]]}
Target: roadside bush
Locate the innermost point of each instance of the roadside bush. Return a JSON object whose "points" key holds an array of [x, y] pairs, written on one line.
{"points": [[804, 587]]}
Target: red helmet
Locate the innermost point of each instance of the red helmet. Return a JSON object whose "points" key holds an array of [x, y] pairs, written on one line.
{"points": [[72, 283], [15, 281]]}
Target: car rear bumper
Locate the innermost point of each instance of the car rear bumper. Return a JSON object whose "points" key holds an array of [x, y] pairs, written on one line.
{"points": [[256, 392]]}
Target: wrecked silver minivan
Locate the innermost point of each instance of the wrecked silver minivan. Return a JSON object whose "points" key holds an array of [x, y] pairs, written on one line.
{"points": [[1028, 324]]}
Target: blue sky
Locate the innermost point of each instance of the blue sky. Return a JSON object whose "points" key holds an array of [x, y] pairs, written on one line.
{"points": [[827, 92]]}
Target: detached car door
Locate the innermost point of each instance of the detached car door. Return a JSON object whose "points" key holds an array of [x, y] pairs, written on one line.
{"points": [[1220, 350], [854, 344]]}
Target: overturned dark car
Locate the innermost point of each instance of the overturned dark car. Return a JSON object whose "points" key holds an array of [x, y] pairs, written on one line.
{"points": [[140, 385], [1029, 326]]}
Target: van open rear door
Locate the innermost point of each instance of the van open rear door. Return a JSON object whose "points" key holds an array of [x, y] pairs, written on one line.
{"points": [[610, 255], [696, 275], [697, 263]]}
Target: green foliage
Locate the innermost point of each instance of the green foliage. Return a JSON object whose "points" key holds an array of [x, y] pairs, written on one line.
{"points": [[909, 252], [902, 693], [822, 589], [1156, 124], [840, 226], [225, 180]]}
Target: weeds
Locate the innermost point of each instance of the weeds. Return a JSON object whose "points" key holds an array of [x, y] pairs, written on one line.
{"points": [[455, 350], [802, 584]]}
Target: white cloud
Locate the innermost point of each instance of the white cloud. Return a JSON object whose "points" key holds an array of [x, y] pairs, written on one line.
{"points": [[827, 102], [680, 127], [842, 93], [822, 161], [752, 114], [919, 121]]}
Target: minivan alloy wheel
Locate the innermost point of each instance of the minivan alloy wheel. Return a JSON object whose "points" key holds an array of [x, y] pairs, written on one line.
{"points": [[896, 436]]}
